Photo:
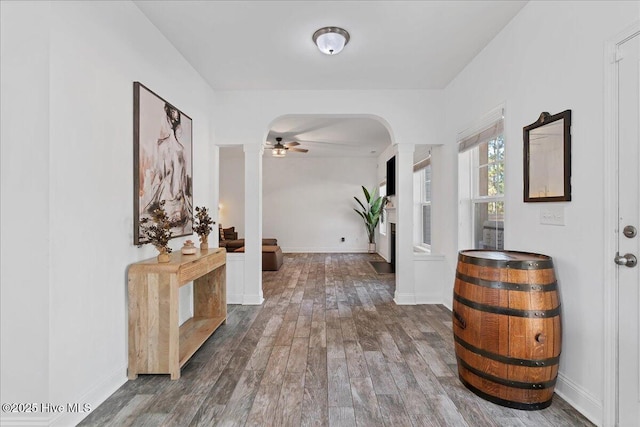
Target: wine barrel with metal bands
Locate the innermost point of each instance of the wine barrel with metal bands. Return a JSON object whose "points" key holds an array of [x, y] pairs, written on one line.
{"points": [[506, 326]]}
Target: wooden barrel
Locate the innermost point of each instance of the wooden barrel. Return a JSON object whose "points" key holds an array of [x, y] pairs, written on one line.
{"points": [[506, 327]]}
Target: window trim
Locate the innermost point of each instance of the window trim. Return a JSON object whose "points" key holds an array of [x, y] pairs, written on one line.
{"points": [[420, 168], [490, 127], [477, 199]]}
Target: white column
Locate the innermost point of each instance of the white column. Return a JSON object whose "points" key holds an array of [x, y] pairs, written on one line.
{"points": [[214, 195], [253, 224], [405, 273]]}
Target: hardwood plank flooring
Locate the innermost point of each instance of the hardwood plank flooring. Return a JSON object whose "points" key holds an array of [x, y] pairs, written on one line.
{"points": [[328, 347]]}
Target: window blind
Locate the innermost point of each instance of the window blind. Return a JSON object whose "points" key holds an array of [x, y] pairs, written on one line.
{"points": [[491, 126], [422, 164]]}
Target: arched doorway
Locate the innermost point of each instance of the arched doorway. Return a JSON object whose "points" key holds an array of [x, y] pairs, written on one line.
{"points": [[308, 195]]}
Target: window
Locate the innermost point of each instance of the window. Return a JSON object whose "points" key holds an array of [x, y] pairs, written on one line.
{"points": [[488, 203], [422, 203], [481, 188]]}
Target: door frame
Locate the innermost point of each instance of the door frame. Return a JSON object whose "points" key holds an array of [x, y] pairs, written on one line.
{"points": [[611, 291]]}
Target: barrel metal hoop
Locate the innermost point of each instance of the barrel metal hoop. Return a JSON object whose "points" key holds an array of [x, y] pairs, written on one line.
{"points": [[458, 317], [507, 403], [533, 314], [530, 363], [504, 381], [508, 286], [538, 264]]}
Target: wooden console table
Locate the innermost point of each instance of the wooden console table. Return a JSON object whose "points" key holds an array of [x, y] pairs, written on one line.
{"points": [[157, 344]]}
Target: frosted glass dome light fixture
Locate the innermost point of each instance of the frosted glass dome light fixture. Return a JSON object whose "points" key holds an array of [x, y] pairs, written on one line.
{"points": [[331, 40], [278, 152]]}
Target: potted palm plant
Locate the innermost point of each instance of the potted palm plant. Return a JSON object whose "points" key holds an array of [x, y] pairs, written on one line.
{"points": [[372, 211]]}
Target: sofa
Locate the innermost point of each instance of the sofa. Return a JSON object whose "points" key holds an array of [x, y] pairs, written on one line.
{"points": [[272, 257], [229, 240]]}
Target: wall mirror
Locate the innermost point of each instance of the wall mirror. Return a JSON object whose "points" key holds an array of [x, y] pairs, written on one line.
{"points": [[547, 158]]}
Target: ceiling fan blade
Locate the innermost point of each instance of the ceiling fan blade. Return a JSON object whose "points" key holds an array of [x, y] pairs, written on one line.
{"points": [[329, 143], [291, 144], [299, 150], [269, 143]]}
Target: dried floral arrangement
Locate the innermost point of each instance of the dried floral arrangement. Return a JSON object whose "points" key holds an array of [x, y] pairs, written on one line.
{"points": [[157, 229], [203, 222]]}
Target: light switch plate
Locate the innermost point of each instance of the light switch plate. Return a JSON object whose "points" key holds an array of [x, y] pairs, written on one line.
{"points": [[552, 215]]}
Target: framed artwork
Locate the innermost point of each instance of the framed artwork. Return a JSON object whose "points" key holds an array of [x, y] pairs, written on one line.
{"points": [[162, 162]]}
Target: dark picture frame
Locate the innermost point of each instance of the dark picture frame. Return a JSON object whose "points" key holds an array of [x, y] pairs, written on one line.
{"points": [[547, 158], [162, 162]]}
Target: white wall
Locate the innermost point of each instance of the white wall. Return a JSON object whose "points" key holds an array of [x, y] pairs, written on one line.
{"points": [[235, 278], [429, 277], [411, 116], [85, 58], [308, 202], [24, 219], [232, 188], [245, 117], [550, 57]]}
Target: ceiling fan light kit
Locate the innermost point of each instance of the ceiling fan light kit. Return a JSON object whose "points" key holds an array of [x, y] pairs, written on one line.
{"points": [[279, 149], [278, 152], [331, 40]]}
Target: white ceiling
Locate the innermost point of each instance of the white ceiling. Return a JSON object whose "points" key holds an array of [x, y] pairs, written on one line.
{"points": [[266, 45], [327, 137]]}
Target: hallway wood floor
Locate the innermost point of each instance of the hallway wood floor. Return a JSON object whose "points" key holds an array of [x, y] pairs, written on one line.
{"points": [[327, 348]]}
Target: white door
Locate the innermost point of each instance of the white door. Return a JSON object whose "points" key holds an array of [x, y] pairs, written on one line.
{"points": [[628, 226]]}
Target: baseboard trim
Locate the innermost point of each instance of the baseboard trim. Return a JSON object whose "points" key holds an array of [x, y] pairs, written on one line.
{"points": [[244, 299], [94, 397], [235, 298], [405, 299], [252, 300], [583, 401], [332, 250], [413, 299], [428, 298]]}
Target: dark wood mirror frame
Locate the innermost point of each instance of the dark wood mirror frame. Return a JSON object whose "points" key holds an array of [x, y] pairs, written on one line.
{"points": [[547, 148]]}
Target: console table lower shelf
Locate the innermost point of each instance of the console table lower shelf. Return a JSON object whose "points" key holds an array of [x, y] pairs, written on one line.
{"points": [[157, 344]]}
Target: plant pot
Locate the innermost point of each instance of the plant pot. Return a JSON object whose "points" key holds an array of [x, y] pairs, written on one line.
{"points": [[164, 257], [372, 248], [204, 242]]}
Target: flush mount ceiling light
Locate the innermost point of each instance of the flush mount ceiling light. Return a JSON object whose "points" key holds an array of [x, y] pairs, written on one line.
{"points": [[331, 40]]}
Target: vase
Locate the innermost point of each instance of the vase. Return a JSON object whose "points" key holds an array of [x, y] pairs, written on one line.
{"points": [[204, 242], [163, 256], [372, 248], [189, 248]]}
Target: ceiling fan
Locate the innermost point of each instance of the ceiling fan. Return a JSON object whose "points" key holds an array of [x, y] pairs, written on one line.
{"points": [[279, 149]]}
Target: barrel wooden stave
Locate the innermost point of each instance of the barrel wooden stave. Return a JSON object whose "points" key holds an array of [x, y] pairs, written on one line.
{"points": [[512, 397], [528, 289], [510, 337], [507, 371]]}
